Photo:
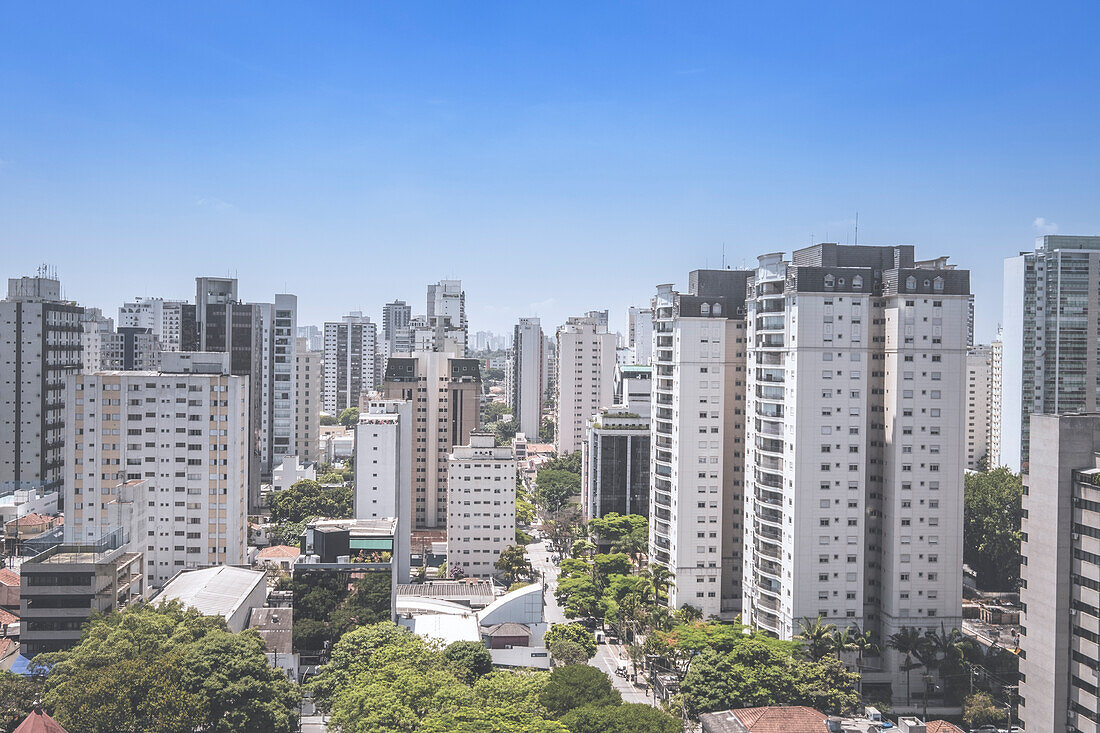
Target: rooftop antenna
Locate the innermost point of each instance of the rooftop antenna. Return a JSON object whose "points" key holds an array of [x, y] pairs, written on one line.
{"points": [[857, 228], [723, 255]]}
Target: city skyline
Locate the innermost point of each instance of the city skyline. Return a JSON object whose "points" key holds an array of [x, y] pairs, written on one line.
{"points": [[532, 135]]}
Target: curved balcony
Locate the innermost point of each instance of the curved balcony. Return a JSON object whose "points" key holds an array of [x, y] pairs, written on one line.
{"points": [[767, 621], [663, 456], [768, 603], [769, 516], [773, 376], [768, 551], [768, 586], [769, 463], [771, 305], [769, 445], [767, 392], [769, 497], [769, 428], [661, 470], [770, 341], [768, 533], [770, 569], [769, 480], [770, 323], [768, 410]]}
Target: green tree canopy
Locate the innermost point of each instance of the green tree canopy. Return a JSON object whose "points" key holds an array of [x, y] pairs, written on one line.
{"points": [[575, 633], [554, 488], [167, 668], [567, 652], [349, 416], [327, 419], [496, 410], [307, 498], [625, 718], [575, 686], [469, 659], [992, 508], [17, 697], [513, 564]]}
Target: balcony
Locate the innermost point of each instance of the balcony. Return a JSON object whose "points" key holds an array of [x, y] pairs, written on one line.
{"points": [[770, 341], [773, 376], [770, 498], [769, 410], [769, 463], [770, 305], [768, 551], [767, 392], [769, 516], [769, 533], [769, 445], [770, 323], [769, 479], [766, 620], [769, 428]]}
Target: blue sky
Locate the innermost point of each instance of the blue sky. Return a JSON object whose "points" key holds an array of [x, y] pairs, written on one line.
{"points": [[556, 157]]}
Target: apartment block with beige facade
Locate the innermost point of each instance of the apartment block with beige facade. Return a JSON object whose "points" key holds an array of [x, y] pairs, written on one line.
{"points": [[308, 380], [481, 517], [181, 439], [586, 377]]}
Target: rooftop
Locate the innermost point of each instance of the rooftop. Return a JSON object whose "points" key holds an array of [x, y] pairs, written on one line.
{"points": [[278, 552], [216, 591], [276, 627], [8, 577]]}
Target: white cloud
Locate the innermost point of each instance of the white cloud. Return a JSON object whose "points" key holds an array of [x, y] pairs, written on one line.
{"points": [[1042, 226], [215, 204]]}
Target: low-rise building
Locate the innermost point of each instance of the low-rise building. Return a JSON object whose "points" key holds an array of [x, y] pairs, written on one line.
{"points": [[276, 627], [225, 591], [63, 586]]}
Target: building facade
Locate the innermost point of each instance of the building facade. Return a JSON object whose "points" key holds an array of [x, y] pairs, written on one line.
{"points": [[1049, 326], [585, 378], [854, 446], [40, 336], [697, 439], [981, 395], [445, 392], [384, 470], [163, 318], [1060, 576], [481, 511], [396, 317], [164, 456], [639, 335], [526, 375], [350, 348], [309, 378]]}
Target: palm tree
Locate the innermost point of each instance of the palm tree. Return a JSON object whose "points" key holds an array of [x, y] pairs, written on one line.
{"points": [[907, 642], [864, 645], [660, 580], [841, 642], [634, 544], [817, 637]]}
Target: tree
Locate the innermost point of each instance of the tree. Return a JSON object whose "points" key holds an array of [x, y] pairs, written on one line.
{"points": [[575, 633], [992, 508], [575, 686], [513, 564], [758, 672], [496, 410], [562, 527], [349, 417], [864, 646], [469, 659], [570, 462], [980, 709], [482, 720], [327, 419], [555, 488], [842, 642], [567, 652], [17, 697], [308, 498], [816, 637], [546, 430], [494, 374], [625, 718], [167, 668], [525, 512], [908, 642], [660, 580]]}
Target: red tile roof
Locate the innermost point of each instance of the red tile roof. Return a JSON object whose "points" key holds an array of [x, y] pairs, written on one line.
{"points": [[781, 719], [942, 726], [8, 577], [6, 617], [278, 551], [32, 518], [39, 722]]}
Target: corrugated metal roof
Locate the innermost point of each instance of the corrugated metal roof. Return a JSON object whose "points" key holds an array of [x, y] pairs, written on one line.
{"points": [[216, 591]]}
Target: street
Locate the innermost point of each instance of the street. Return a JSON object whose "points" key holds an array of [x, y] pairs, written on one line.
{"points": [[607, 655]]}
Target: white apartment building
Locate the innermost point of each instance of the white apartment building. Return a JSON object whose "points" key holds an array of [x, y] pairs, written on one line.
{"points": [[696, 448], [586, 378], [982, 396], [308, 379], [1060, 576], [127, 349], [481, 505], [384, 470], [350, 348], [639, 336], [278, 424], [447, 299], [1050, 319], [528, 362], [854, 443], [40, 337], [996, 392], [163, 318], [182, 438]]}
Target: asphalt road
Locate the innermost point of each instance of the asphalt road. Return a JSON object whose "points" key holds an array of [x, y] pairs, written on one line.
{"points": [[607, 655]]}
